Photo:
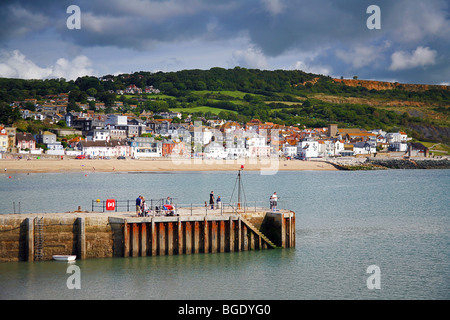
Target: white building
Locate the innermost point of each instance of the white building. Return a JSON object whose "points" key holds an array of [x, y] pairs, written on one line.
{"points": [[215, 150], [378, 132], [396, 137], [330, 148], [116, 120], [3, 140], [308, 148], [144, 147], [399, 146], [55, 148], [338, 147], [289, 150], [257, 147], [238, 151], [202, 135], [364, 148], [98, 135], [94, 149]]}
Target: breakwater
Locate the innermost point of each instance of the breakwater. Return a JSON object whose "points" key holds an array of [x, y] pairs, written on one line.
{"points": [[383, 164], [411, 164], [35, 237]]}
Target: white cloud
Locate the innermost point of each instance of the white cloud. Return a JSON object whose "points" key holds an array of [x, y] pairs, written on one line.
{"points": [[421, 57], [15, 65], [250, 58], [78, 67], [274, 7], [316, 69], [361, 56], [422, 21]]}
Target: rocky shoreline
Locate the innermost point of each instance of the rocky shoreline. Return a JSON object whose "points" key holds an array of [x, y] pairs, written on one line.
{"points": [[384, 164], [412, 164]]}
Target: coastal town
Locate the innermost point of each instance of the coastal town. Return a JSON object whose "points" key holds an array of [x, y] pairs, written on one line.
{"points": [[87, 134]]}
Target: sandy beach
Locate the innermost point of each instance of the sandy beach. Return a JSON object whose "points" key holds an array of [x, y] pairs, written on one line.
{"points": [[129, 165]]}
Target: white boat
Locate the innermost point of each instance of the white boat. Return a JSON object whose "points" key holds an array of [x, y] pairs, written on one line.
{"points": [[64, 258]]}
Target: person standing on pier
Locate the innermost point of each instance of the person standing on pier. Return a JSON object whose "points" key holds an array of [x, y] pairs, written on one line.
{"points": [[273, 201], [211, 199], [218, 202], [138, 205]]}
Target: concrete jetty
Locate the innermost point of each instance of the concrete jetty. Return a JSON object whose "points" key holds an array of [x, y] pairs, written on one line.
{"points": [[35, 237]]}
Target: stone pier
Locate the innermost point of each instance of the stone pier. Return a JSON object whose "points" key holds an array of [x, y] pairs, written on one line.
{"points": [[98, 235]]}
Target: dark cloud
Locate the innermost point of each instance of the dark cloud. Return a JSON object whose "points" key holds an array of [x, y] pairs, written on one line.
{"points": [[335, 29]]}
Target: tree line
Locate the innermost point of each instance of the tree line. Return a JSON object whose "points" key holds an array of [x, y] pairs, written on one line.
{"points": [[265, 94]]}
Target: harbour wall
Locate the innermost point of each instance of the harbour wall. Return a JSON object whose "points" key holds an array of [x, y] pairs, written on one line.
{"points": [[38, 237]]}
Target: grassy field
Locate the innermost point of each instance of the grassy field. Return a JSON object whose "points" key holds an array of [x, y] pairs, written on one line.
{"points": [[233, 94], [147, 96], [438, 149], [201, 109]]}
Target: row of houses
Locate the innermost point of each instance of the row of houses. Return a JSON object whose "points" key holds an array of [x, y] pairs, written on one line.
{"points": [[53, 107], [120, 135], [334, 142]]}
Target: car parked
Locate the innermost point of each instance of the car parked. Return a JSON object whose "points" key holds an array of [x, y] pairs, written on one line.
{"points": [[81, 156], [121, 158]]}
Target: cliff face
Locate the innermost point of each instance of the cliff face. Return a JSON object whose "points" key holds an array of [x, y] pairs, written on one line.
{"points": [[432, 133], [380, 85]]}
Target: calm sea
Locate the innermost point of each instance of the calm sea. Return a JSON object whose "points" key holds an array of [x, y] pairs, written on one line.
{"points": [[398, 220]]}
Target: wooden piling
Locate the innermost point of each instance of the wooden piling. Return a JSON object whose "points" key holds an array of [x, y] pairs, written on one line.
{"points": [[222, 236], [153, 239], [196, 237], [213, 236], [188, 237], [143, 238], [162, 238], [135, 240], [231, 234], [180, 242], [205, 236], [126, 239]]}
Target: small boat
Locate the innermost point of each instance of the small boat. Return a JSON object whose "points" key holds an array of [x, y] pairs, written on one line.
{"points": [[64, 258]]}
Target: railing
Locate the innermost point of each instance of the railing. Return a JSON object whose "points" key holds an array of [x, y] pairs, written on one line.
{"points": [[128, 205], [155, 206], [14, 207]]}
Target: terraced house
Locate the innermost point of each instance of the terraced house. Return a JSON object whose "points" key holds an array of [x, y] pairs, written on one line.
{"points": [[98, 149], [25, 141], [3, 140]]}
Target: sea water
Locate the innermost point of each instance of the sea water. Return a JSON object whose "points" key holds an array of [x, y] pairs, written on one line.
{"points": [[396, 220]]}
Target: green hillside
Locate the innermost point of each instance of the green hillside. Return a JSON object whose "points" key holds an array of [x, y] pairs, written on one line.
{"points": [[279, 96]]}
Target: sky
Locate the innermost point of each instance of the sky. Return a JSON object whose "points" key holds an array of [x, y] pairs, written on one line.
{"points": [[329, 37]]}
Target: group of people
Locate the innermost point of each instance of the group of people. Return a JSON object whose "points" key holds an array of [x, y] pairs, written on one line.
{"points": [[142, 210], [273, 201], [141, 207], [213, 201]]}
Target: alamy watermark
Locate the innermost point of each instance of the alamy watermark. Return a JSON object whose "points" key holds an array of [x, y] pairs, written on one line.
{"points": [[74, 280], [74, 20], [374, 280], [374, 21]]}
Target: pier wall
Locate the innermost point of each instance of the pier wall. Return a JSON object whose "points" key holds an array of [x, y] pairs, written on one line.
{"points": [[89, 237], [111, 236]]}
